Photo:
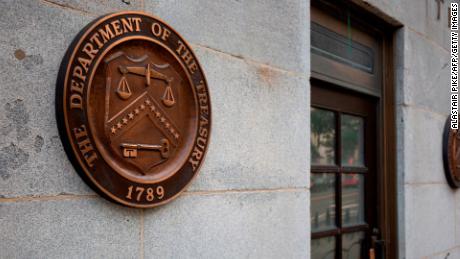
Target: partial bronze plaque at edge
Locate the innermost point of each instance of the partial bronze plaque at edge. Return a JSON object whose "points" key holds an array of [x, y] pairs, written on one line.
{"points": [[133, 109], [451, 155]]}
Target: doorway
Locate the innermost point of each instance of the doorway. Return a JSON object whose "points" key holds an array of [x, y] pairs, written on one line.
{"points": [[353, 176], [343, 172]]}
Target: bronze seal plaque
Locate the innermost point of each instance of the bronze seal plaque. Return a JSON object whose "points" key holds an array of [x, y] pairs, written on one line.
{"points": [[451, 155], [133, 109]]}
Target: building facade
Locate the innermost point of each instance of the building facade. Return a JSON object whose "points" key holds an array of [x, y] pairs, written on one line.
{"points": [[256, 195]]}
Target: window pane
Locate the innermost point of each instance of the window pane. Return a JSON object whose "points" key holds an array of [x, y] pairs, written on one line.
{"points": [[322, 137], [352, 199], [352, 245], [322, 201], [352, 140], [323, 248]]}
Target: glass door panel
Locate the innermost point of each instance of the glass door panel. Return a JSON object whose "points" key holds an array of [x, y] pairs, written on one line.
{"points": [[352, 199], [322, 137], [352, 245], [352, 137], [323, 248], [322, 201], [342, 174]]}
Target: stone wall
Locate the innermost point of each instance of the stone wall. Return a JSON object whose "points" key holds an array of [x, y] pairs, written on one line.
{"points": [[251, 198], [429, 210]]}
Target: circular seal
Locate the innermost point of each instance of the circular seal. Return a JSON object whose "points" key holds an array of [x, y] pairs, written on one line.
{"points": [[451, 155], [133, 109]]}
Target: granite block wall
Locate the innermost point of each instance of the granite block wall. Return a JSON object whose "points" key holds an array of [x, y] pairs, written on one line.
{"points": [[251, 198], [428, 207]]}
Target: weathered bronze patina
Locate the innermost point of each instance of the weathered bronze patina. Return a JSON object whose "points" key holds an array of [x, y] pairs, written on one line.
{"points": [[133, 109], [451, 155]]}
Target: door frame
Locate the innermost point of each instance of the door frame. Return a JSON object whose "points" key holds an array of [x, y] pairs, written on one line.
{"points": [[386, 122]]}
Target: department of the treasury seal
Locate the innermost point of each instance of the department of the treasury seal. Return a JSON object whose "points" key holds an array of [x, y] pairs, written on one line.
{"points": [[451, 155], [133, 109]]}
